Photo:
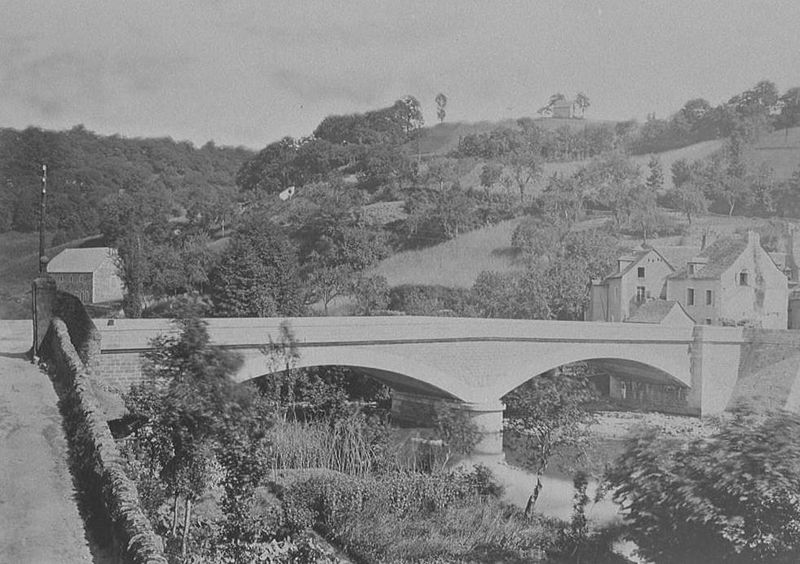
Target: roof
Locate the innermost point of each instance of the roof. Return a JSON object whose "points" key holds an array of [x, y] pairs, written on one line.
{"points": [[80, 260], [634, 258], [678, 256], [563, 104], [655, 311], [721, 254]]}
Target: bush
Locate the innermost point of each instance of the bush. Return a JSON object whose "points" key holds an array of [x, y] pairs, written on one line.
{"points": [[731, 497], [420, 299], [401, 517]]}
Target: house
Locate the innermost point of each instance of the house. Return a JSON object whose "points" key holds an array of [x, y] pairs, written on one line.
{"points": [[732, 282], [563, 109], [90, 274], [661, 312], [640, 277]]}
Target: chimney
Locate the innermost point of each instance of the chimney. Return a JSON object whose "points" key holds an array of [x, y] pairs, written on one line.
{"points": [[753, 237]]}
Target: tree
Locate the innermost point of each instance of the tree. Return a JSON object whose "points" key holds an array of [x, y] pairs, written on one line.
{"points": [[258, 275], [730, 497], [441, 103], [185, 417], [613, 181], [490, 175], [371, 294], [689, 199], [655, 179], [582, 101], [272, 170], [456, 429], [547, 415]]}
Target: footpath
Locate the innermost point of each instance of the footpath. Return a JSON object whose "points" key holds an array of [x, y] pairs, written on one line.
{"points": [[39, 518]]}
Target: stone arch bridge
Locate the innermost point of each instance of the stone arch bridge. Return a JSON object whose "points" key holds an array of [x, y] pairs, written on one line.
{"points": [[478, 361]]}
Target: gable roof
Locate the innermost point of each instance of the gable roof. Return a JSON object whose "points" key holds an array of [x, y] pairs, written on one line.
{"points": [[80, 260], [635, 257], [678, 256], [721, 254], [655, 311]]}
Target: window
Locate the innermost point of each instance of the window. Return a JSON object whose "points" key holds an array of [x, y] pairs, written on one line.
{"points": [[708, 321], [743, 278], [691, 268], [640, 294], [690, 296], [709, 298], [640, 272]]}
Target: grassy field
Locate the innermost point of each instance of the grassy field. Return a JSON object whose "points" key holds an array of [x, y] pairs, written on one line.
{"points": [[780, 150], [19, 264], [454, 263]]}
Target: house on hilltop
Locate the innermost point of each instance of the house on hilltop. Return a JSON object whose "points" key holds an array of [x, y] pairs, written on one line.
{"points": [[563, 109], [90, 274]]}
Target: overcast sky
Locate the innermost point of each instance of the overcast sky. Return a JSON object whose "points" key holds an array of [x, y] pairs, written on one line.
{"points": [[248, 73]]}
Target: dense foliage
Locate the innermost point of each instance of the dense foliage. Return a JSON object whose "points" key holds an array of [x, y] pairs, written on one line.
{"points": [[84, 168], [731, 497]]}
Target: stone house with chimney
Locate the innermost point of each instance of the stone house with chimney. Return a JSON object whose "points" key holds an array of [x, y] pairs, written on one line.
{"points": [[640, 277], [732, 281]]}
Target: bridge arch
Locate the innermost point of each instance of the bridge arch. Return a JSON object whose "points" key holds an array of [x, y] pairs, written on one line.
{"points": [[399, 373]]}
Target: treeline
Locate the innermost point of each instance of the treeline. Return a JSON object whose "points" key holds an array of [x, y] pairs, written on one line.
{"points": [[745, 116], [563, 144], [84, 169]]}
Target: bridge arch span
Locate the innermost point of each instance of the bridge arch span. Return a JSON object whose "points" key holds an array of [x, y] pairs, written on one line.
{"points": [[399, 373], [616, 366]]}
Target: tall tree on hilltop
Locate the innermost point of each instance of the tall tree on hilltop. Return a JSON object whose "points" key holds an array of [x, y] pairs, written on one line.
{"points": [[582, 101], [441, 103]]}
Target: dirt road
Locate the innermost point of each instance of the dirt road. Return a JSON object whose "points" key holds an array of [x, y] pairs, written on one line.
{"points": [[39, 519]]}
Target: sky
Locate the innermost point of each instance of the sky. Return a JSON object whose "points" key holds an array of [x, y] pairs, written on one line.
{"points": [[250, 72]]}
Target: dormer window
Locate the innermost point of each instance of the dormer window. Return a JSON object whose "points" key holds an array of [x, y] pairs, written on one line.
{"points": [[743, 278], [640, 272]]}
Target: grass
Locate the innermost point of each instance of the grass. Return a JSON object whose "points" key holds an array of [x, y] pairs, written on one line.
{"points": [[454, 263], [780, 150], [19, 265]]}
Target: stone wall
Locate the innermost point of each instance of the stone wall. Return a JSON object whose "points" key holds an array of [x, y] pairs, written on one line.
{"points": [[83, 334], [120, 369], [100, 471]]}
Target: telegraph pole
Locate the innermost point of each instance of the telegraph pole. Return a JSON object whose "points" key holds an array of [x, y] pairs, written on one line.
{"points": [[42, 213]]}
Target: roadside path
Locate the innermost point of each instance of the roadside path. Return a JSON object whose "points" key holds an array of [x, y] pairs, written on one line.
{"points": [[39, 518]]}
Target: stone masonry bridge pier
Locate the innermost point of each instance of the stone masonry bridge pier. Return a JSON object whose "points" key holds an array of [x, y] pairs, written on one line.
{"points": [[478, 361]]}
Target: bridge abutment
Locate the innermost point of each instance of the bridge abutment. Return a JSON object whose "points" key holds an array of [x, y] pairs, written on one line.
{"points": [[419, 409]]}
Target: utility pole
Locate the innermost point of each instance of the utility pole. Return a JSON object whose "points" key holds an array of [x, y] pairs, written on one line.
{"points": [[42, 213]]}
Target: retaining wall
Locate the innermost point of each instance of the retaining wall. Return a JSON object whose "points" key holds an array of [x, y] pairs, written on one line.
{"points": [[100, 466]]}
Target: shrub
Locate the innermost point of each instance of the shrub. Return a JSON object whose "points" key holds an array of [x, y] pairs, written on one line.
{"points": [[731, 497]]}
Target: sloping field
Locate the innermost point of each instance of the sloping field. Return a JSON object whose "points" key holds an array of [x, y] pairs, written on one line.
{"points": [[442, 138], [780, 150], [690, 153], [454, 263]]}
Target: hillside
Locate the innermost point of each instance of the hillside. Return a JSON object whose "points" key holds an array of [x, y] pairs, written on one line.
{"points": [[442, 138], [459, 261], [780, 150], [456, 262], [83, 168], [690, 153]]}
